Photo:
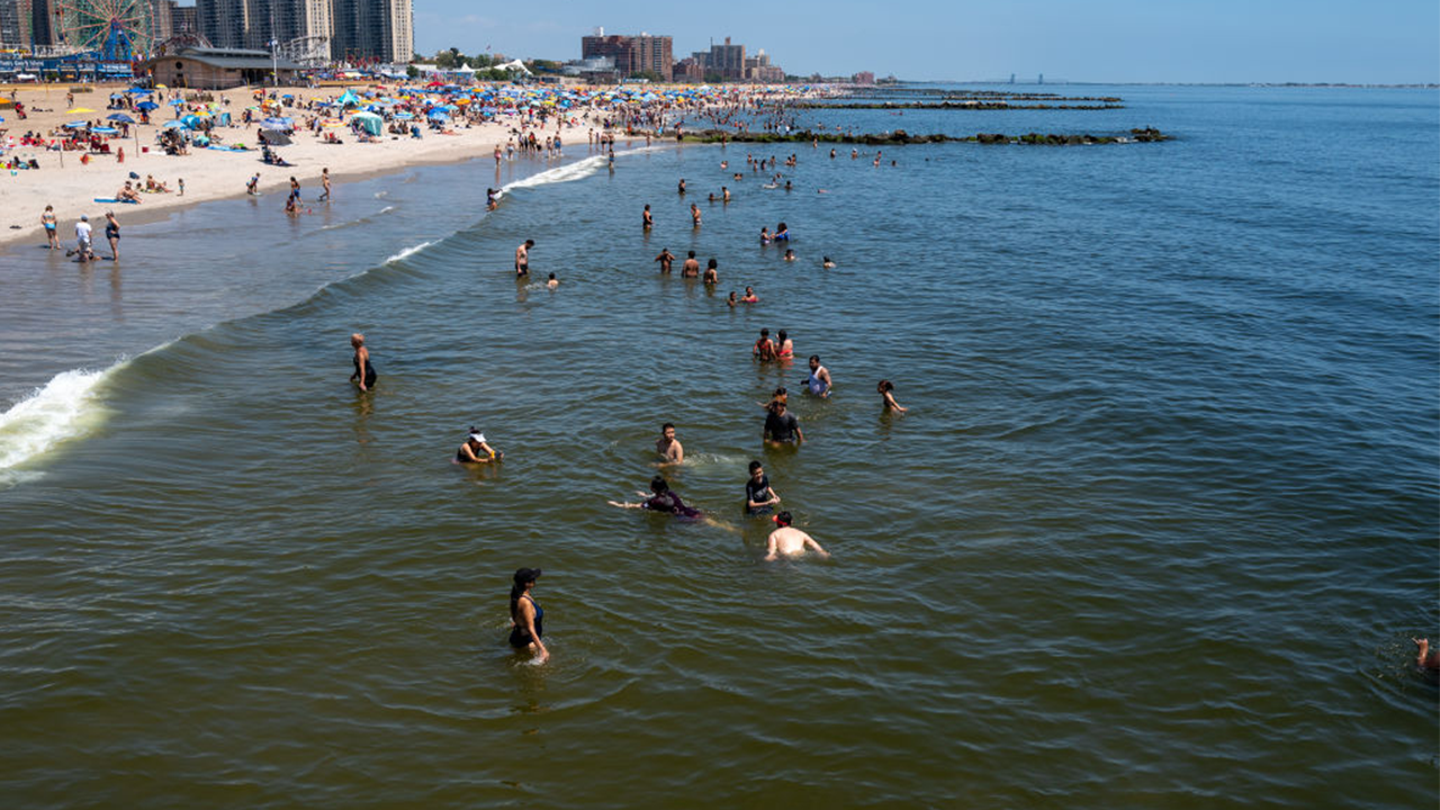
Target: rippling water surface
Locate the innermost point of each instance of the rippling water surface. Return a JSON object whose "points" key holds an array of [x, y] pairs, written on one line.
{"points": [[1156, 530]]}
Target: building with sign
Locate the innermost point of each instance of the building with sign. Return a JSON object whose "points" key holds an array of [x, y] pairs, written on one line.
{"points": [[220, 68]]}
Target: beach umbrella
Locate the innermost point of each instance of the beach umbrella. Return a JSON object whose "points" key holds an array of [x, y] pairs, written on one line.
{"points": [[77, 125], [120, 117], [146, 105], [105, 130], [117, 95], [79, 111], [173, 125], [175, 102]]}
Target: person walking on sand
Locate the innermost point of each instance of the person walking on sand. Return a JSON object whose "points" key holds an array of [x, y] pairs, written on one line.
{"points": [[522, 258], [788, 541], [52, 229], [364, 375], [526, 616]]}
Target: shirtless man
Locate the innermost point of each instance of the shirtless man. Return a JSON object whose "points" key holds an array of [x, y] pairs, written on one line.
{"points": [[691, 267], [787, 541], [522, 258], [695, 214], [712, 273], [666, 259], [668, 447]]}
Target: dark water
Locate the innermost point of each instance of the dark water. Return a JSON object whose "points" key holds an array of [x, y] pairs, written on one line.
{"points": [[1156, 531]]}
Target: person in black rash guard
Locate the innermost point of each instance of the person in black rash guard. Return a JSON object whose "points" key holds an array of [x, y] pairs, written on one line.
{"points": [[782, 427], [364, 375], [662, 500], [759, 497]]}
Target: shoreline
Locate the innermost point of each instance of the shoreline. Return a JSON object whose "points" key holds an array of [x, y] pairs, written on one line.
{"points": [[210, 175]]}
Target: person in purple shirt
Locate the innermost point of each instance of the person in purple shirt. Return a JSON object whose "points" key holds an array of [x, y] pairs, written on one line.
{"points": [[661, 500]]}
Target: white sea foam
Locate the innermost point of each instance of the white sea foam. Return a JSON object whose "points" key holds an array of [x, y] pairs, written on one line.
{"points": [[578, 170], [66, 408], [387, 209], [409, 251]]}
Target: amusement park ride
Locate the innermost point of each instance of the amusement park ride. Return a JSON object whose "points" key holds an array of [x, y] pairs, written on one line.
{"points": [[117, 30]]}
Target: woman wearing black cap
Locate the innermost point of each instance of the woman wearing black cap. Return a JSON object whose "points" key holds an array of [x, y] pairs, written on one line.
{"points": [[526, 616]]}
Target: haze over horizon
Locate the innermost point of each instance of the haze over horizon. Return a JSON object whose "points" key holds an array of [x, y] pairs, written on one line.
{"points": [[1121, 41]]}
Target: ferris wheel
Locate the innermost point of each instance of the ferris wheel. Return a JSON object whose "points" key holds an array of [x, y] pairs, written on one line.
{"points": [[120, 30]]}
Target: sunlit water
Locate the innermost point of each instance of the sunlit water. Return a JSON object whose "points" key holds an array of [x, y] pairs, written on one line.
{"points": [[1156, 530]]}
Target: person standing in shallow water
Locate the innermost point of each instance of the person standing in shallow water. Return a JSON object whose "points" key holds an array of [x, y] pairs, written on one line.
{"points": [[526, 616], [364, 375]]}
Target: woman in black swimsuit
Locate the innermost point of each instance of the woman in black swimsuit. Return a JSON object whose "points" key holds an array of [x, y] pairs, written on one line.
{"points": [[364, 374], [112, 234], [526, 615]]}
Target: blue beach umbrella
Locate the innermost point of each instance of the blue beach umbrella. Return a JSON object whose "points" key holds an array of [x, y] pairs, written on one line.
{"points": [[146, 105], [173, 125], [121, 117], [77, 125], [438, 115]]}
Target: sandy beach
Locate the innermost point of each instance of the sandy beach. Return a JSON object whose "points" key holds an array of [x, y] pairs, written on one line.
{"points": [[72, 186]]}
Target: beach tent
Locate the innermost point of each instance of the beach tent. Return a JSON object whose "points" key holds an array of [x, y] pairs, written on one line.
{"points": [[349, 99], [368, 121]]}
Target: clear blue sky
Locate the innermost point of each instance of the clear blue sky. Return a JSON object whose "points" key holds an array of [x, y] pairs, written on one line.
{"points": [[1390, 41]]}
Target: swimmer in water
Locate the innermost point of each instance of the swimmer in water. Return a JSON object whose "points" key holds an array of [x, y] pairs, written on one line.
{"points": [[691, 267], [725, 193], [886, 389], [648, 221], [661, 500], [1426, 658], [818, 382], [682, 187], [712, 274], [784, 346], [364, 375], [668, 447], [790, 254], [553, 282], [476, 451], [764, 348], [764, 235], [522, 258], [827, 263], [780, 395], [782, 233], [750, 296], [732, 301], [666, 259], [526, 615], [781, 427], [787, 541], [759, 497], [695, 214]]}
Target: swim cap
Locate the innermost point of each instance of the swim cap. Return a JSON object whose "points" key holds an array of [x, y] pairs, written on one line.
{"points": [[783, 519]]}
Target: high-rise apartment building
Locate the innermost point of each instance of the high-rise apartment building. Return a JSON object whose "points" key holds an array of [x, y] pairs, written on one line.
{"points": [[632, 54], [14, 23], [356, 30], [373, 30]]}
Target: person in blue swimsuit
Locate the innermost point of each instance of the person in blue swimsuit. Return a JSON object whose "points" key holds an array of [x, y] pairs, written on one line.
{"points": [[526, 615]]}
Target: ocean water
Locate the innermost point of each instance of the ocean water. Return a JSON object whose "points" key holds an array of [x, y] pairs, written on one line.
{"points": [[1156, 530]]}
